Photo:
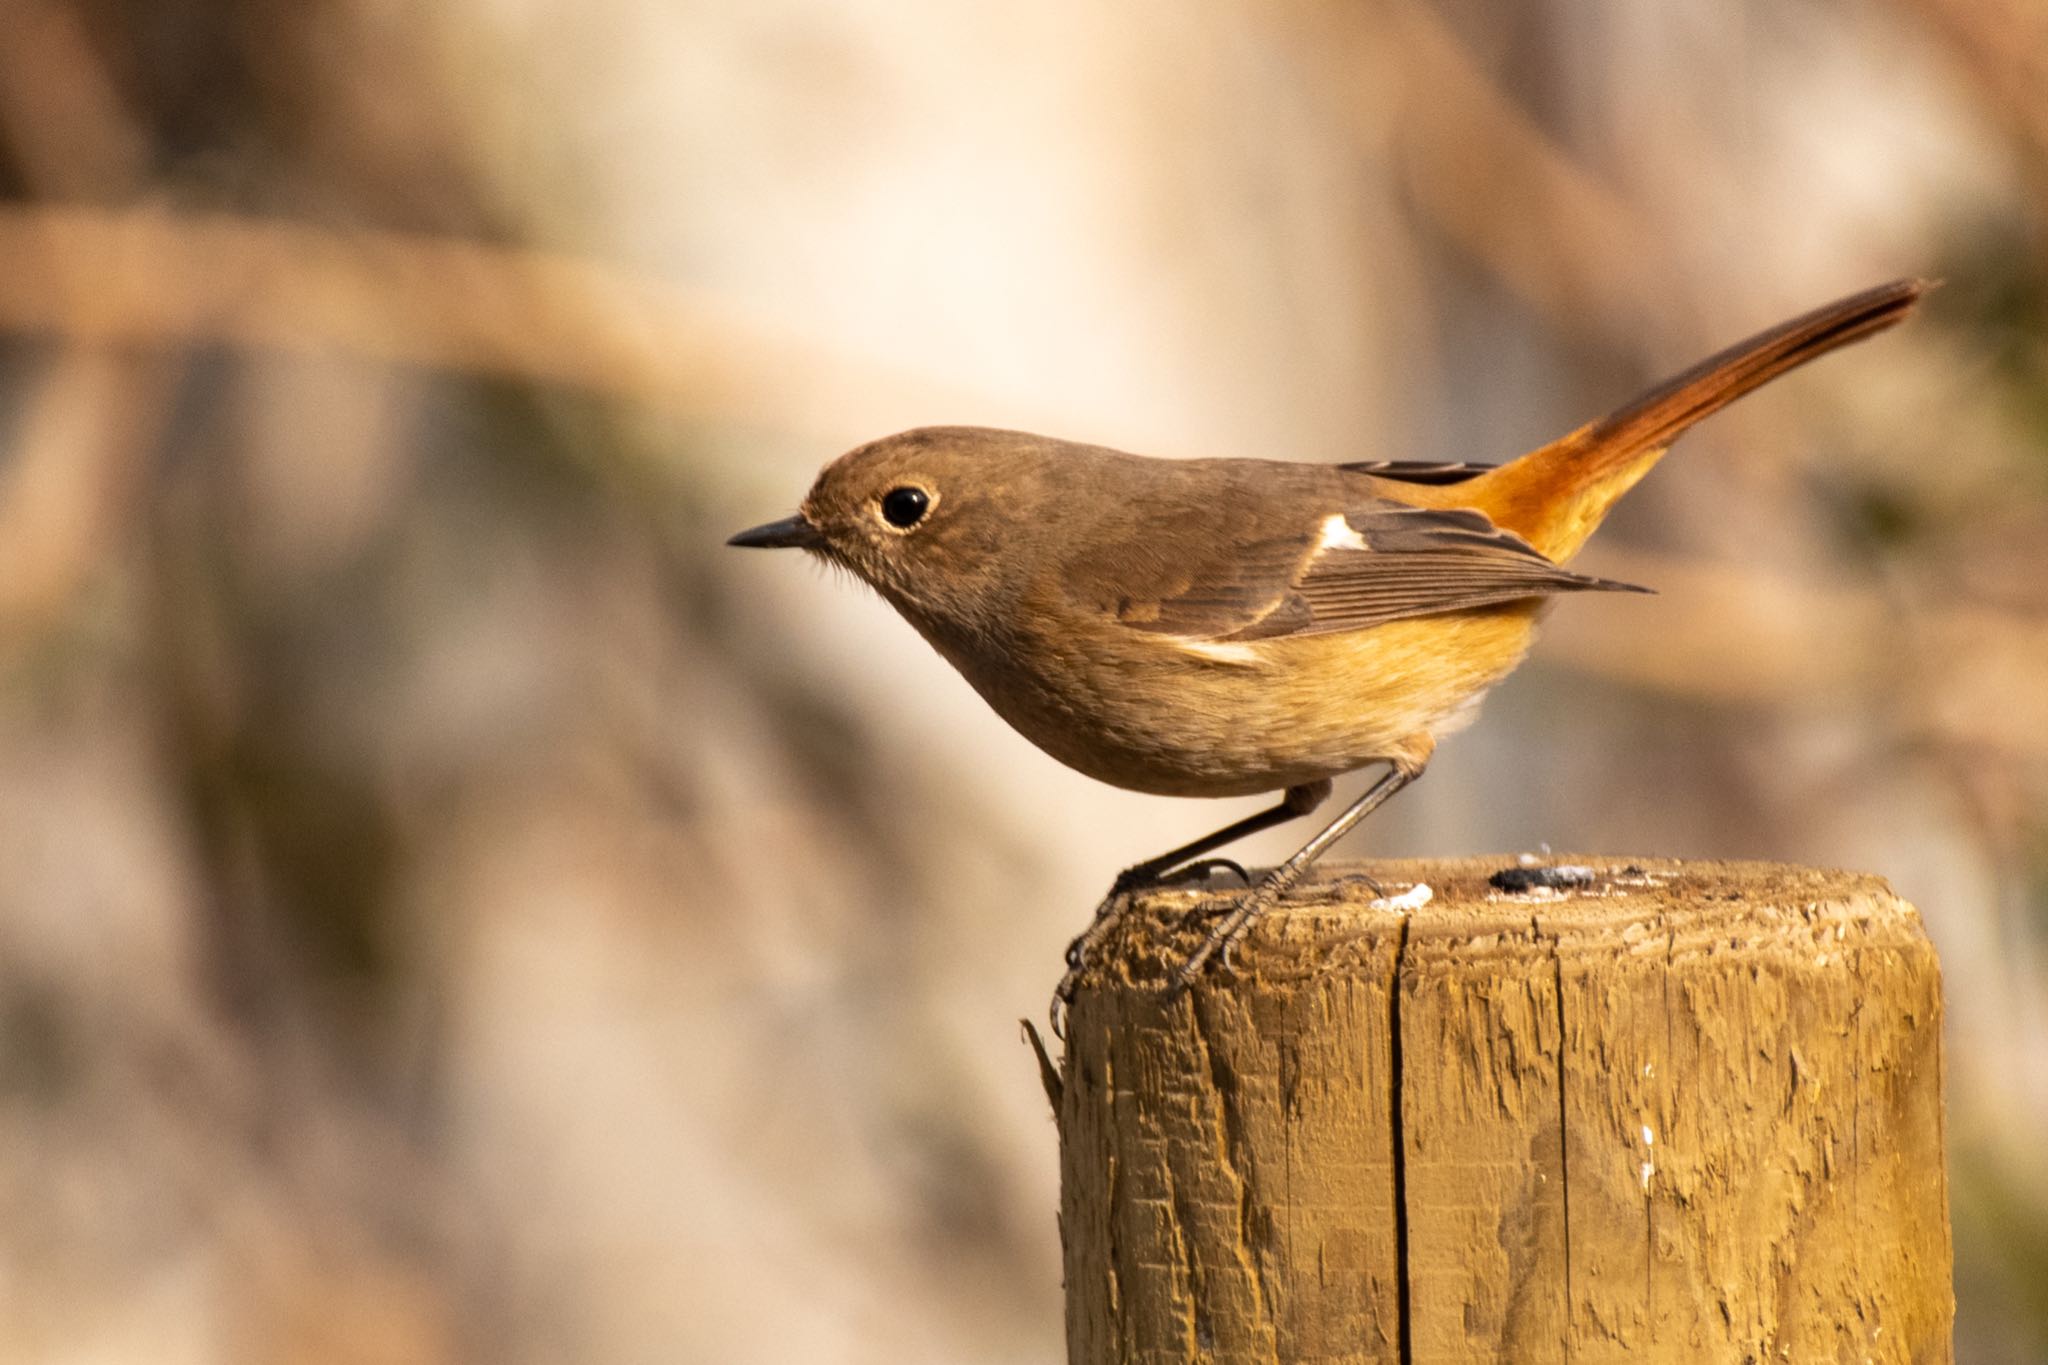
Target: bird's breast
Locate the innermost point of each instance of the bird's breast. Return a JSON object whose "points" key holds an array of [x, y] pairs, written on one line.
{"points": [[1175, 717]]}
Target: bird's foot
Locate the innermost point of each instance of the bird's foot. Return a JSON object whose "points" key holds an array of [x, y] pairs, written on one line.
{"points": [[1369, 880], [1077, 953], [1143, 877], [1229, 930]]}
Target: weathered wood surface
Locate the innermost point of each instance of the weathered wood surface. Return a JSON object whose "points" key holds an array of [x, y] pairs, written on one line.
{"points": [[1686, 1112]]}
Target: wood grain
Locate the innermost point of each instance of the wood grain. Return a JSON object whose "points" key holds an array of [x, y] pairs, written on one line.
{"points": [[1681, 1112]]}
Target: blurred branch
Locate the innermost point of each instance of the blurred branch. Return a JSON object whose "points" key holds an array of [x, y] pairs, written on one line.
{"points": [[2004, 44], [1726, 633], [1505, 191], [1484, 174], [60, 113], [78, 451], [88, 425], [150, 279]]}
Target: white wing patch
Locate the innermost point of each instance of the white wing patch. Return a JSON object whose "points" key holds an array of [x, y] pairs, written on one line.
{"points": [[1339, 534], [1221, 651]]}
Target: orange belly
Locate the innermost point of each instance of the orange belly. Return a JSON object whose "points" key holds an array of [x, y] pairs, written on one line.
{"points": [[1151, 714]]}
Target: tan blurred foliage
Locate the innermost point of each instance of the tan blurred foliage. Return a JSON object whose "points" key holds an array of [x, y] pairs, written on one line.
{"points": [[451, 910]]}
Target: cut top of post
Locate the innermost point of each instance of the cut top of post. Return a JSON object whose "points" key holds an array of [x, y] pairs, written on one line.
{"points": [[1598, 1107], [1335, 918]]}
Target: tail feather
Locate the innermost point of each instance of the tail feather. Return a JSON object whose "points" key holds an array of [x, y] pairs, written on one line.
{"points": [[1556, 496]]}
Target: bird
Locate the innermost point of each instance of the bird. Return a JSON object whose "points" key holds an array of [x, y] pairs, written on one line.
{"points": [[1235, 627]]}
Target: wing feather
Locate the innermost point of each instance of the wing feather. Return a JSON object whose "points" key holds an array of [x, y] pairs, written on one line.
{"points": [[1377, 562]]}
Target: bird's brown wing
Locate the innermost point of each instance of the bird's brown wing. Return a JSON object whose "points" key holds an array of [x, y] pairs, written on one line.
{"points": [[1374, 563]]}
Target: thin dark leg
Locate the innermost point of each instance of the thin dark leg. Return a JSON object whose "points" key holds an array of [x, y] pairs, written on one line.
{"points": [[1261, 898], [1298, 802]]}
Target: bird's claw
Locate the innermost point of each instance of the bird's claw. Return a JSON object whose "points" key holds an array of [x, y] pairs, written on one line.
{"points": [[1143, 877], [1062, 1001], [1221, 942], [1076, 953], [1224, 936], [1201, 869]]}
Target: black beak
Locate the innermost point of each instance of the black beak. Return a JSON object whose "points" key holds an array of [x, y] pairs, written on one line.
{"points": [[789, 533]]}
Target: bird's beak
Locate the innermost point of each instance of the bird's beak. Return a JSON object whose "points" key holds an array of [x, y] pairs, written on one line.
{"points": [[789, 533]]}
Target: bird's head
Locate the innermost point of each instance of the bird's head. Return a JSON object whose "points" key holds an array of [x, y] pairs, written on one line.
{"points": [[930, 518]]}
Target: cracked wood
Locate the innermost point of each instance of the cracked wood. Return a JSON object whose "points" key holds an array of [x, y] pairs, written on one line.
{"points": [[1684, 1111]]}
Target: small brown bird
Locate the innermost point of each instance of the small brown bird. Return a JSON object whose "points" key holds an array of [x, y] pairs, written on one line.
{"points": [[1229, 627]]}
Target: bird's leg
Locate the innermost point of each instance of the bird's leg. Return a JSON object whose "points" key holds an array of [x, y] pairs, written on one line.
{"points": [[1225, 933], [1185, 863]]}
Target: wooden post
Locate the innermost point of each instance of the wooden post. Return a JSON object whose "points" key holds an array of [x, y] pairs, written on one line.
{"points": [[1673, 1112]]}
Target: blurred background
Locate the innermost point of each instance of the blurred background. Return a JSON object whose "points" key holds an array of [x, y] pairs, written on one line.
{"points": [[452, 909]]}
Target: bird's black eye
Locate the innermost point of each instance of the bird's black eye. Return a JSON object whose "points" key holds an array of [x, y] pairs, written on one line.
{"points": [[905, 507]]}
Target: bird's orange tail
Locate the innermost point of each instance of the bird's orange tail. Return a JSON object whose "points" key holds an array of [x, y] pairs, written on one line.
{"points": [[1556, 496]]}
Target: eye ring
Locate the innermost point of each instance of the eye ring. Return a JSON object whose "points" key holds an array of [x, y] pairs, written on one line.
{"points": [[905, 507]]}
